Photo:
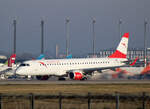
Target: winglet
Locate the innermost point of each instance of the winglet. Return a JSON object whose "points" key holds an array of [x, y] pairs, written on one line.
{"points": [[133, 63]]}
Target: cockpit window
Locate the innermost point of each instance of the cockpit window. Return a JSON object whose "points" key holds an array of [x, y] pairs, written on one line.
{"points": [[24, 64]]}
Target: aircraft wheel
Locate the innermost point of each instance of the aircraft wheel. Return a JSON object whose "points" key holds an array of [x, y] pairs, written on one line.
{"points": [[84, 78]]}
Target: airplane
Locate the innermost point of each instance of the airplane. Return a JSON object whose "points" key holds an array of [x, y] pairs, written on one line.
{"points": [[10, 62], [9, 65], [75, 68], [2, 60], [8, 68]]}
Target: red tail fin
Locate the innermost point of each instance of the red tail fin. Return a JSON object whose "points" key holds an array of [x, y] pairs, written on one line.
{"points": [[121, 51], [11, 60]]}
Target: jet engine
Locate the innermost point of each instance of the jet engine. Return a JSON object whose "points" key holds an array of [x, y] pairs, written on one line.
{"points": [[76, 75], [45, 77]]}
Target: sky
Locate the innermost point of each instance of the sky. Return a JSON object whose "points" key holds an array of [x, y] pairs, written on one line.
{"points": [[107, 13]]}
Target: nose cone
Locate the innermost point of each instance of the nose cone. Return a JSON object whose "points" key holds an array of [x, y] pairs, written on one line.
{"points": [[19, 71], [22, 71]]}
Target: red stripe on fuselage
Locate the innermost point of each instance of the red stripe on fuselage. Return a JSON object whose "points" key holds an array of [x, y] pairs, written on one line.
{"points": [[117, 54], [43, 64]]}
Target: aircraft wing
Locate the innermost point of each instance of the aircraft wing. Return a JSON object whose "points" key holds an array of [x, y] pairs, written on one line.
{"points": [[89, 71], [6, 70]]}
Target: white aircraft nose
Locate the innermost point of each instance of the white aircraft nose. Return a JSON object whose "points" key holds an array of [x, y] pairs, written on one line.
{"points": [[18, 72]]}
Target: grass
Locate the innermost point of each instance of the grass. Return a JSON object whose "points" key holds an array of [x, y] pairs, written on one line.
{"points": [[73, 88], [22, 103]]}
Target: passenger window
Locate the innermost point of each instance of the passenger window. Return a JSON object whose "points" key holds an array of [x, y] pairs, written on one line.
{"points": [[24, 65]]}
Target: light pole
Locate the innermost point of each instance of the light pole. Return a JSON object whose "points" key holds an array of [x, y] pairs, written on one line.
{"points": [[145, 50], [42, 36], [67, 36], [93, 30], [120, 22], [57, 50], [14, 24]]}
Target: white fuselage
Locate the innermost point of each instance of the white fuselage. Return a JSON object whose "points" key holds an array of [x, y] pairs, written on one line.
{"points": [[60, 67]]}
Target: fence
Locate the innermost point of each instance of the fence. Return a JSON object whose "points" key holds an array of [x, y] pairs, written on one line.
{"points": [[72, 101]]}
